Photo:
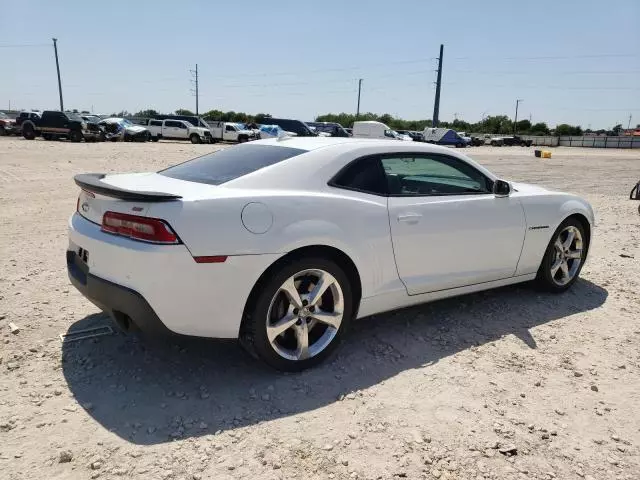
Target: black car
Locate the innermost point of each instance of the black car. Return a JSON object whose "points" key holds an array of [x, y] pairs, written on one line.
{"points": [[53, 125], [334, 129], [415, 136], [301, 129], [515, 140]]}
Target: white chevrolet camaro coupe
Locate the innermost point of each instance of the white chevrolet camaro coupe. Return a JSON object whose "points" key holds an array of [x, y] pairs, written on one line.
{"points": [[281, 243]]}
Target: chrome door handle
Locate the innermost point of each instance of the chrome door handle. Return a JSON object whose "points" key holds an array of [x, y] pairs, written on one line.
{"points": [[409, 218]]}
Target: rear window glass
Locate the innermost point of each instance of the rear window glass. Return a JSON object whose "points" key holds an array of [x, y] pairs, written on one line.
{"points": [[234, 162]]}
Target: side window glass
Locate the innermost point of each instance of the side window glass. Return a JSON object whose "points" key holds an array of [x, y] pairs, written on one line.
{"points": [[432, 175], [364, 175], [229, 128]]}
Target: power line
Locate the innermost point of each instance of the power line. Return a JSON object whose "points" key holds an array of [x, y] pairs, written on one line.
{"points": [[26, 45]]}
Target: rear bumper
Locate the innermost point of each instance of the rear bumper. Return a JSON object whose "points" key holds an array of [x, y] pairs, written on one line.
{"points": [[126, 306], [161, 287]]}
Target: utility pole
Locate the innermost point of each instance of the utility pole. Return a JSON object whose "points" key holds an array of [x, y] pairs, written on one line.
{"points": [[515, 122], [195, 74], [436, 103], [55, 49], [629, 122], [359, 90]]}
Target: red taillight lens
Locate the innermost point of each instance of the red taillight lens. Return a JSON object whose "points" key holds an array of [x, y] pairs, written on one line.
{"points": [[139, 228]]}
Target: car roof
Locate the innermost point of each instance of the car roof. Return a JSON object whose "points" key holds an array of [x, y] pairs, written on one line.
{"points": [[351, 143], [324, 156]]}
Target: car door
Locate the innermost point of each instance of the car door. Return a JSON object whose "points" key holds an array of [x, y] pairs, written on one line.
{"points": [[182, 131], [230, 133], [171, 129], [448, 229]]}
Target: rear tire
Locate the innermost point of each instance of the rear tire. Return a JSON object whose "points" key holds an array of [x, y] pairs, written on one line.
{"points": [[75, 136], [314, 339], [564, 258], [3, 132], [195, 138]]}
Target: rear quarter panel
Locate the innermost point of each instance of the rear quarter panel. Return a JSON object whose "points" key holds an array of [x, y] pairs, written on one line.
{"points": [[355, 223]]}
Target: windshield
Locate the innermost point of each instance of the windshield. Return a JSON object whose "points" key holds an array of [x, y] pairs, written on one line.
{"points": [[3, 115], [126, 123], [225, 165], [74, 116]]}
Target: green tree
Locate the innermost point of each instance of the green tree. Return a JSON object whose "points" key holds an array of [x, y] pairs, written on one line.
{"points": [[184, 111], [261, 117], [567, 130], [617, 130], [146, 113], [523, 126], [539, 128], [213, 115]]}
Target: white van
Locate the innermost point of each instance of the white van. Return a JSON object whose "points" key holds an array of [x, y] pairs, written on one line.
{"points": [[371, 129]]}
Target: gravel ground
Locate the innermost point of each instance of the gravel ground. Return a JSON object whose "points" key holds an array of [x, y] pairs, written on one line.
{"points": [[506, 384]]}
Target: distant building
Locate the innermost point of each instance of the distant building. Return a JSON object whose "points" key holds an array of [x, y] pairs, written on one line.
{"points": [[634, 132]]}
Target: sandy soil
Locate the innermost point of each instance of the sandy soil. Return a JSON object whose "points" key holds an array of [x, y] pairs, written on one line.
{"points": [[507, 384]]}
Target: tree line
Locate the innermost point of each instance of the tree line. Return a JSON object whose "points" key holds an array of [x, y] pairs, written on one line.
{"points": [[492, 124]]}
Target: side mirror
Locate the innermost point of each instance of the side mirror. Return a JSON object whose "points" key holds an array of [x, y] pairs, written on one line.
{"points": [[501, 188]]}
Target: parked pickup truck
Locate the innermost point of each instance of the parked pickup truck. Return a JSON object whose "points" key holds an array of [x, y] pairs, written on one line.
{"points": [[515, 140], [231, 132], [53, 125], [178, 130]]}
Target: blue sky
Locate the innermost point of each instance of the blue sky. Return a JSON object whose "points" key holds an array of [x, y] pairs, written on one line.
{"points": [[570, 61]]}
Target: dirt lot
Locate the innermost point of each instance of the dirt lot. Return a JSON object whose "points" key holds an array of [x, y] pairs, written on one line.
{"points": [[507, 384]]}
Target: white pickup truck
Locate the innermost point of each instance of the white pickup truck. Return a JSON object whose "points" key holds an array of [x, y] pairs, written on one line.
{"points": [[178, 130], [231, 132]]}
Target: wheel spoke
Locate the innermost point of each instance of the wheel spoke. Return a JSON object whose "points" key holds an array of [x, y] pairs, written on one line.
{"points": [[324, 281], [558, 245], [555, 267], [575, 254], [565, 269], [332, 319], [280, 326], [302, 338], [569, 240], [289, 288]]}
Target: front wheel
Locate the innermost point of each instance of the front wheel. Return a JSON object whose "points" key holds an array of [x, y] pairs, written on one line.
{"points": [[300, 314], [564, 257], [195, 138], [28, 132]]}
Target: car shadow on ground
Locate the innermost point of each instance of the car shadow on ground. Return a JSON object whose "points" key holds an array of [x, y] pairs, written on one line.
{"points": [[150, 392]]}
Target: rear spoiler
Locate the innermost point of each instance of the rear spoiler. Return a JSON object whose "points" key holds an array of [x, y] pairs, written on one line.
{"points": [[91, 182]]}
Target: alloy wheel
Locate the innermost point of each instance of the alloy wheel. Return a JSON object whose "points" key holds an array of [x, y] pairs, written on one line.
{"points": [[305, 314], [567, 255]]}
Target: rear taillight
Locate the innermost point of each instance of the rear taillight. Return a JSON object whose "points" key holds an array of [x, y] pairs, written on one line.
{"points": [[145, 229]]}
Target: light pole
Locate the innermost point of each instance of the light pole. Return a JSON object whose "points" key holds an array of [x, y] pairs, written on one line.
{"points": [[515, 122], [359, 90], [55, 49]]}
